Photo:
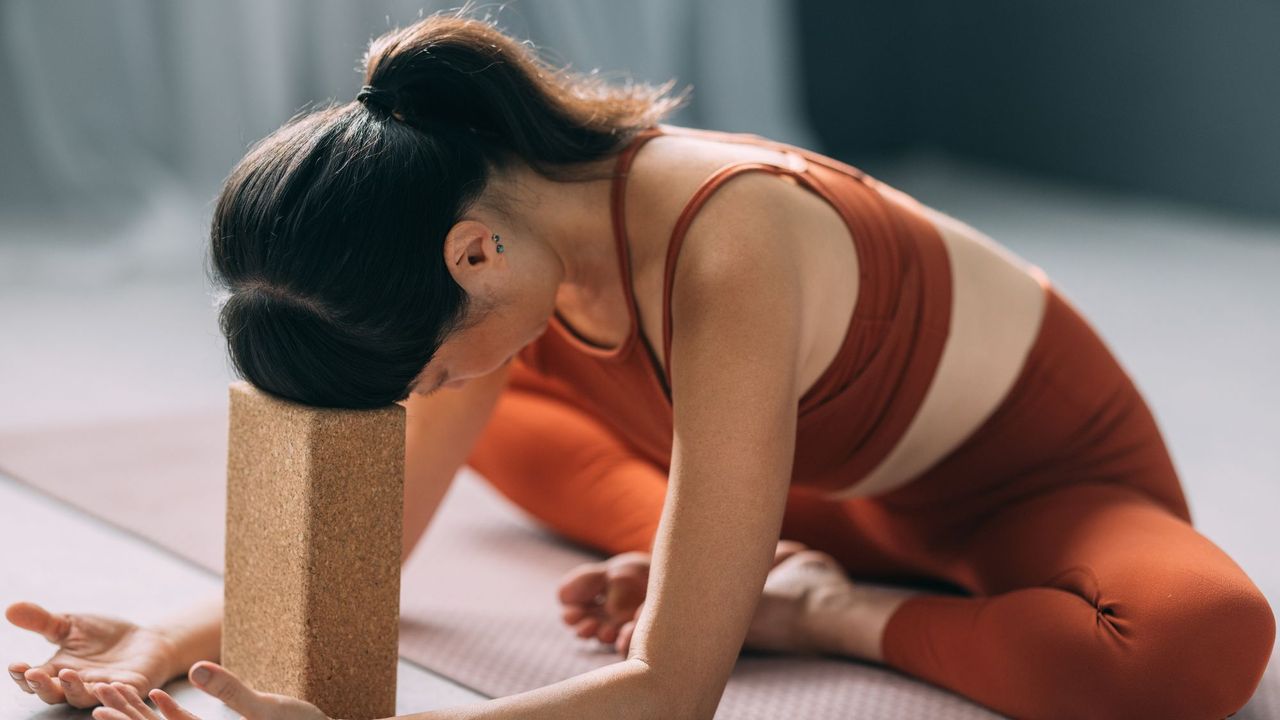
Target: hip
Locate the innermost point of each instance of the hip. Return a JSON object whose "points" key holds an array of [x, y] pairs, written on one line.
{"points": [[1073, 414]]}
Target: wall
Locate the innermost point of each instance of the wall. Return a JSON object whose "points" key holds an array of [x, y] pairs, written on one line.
{"points": [[1180, 98]]}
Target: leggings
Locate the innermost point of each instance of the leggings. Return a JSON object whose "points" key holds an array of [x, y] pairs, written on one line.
{"points": [[1066, 578]]}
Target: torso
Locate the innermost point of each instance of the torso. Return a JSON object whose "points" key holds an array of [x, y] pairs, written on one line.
{"points": [[997, 297]]}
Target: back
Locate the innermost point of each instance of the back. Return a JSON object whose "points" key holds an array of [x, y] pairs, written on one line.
{"points": [[860, 403]]}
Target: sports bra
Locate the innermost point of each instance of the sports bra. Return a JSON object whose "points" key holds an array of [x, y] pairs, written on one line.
{"points": [[860, 405]]}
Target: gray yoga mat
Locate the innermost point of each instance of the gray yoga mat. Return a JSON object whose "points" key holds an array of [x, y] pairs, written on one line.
{"points": [[478, 599]]}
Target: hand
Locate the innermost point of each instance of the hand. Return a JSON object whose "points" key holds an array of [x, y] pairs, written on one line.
{"points": [[92, 649], [122, 702], [605, 599]]}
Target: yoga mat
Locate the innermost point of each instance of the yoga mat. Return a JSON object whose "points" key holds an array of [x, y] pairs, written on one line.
{"points": [[478, 599]]}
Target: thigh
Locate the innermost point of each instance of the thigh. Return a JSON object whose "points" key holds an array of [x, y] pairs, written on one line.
{"points": [[1107, 542], [1074, 415], [1090, 599], [578, 477], [567, 469]]}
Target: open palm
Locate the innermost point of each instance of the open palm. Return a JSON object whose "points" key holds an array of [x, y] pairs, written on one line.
{"points": [[92, 649]]}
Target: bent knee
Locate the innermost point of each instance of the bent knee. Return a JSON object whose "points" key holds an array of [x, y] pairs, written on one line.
{"points": [[1200, 657]]}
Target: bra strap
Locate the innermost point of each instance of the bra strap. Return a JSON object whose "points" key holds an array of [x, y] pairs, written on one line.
{"points": [[708, 186]]}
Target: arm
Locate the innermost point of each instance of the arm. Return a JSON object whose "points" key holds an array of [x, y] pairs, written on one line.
{"points": [[734, 349], [440, 430], [736, 341], [734, 355]]}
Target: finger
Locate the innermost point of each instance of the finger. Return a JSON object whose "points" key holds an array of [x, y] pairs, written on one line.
{"points": [[170, 707], [135, 701], [111, 696], [224, 685], [582, 584], [17, 672], [47, 688], [74, 688], [107, 713], [92, 682], [30, 616]]}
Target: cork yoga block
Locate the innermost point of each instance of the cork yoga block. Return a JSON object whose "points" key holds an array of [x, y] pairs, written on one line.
{"points": [[312, 586]]}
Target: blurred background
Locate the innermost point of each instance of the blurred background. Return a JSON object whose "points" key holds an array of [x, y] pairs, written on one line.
{"points": [[1132, 150]]}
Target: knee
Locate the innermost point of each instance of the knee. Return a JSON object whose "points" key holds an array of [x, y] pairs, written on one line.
{"points": [[1200, 655]]}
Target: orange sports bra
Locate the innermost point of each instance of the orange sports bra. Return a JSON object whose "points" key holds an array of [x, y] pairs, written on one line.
{"points": [[854, 413]]}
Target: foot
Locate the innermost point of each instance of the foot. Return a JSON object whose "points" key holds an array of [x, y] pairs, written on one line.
{"points": [[803, 594], [604, 599], [599, 598], [809, 606]]}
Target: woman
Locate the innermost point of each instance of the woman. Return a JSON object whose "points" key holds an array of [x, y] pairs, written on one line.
{"points": [[695, 343]]}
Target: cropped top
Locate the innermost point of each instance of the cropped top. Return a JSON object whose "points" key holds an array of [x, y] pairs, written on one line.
{"points": [[858, 408]]}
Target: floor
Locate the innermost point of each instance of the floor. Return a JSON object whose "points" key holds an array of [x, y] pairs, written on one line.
{"points": [[1187, 298], [116, 573]]}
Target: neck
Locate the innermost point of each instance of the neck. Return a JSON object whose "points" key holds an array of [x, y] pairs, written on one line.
{"points": [[572, 219]]}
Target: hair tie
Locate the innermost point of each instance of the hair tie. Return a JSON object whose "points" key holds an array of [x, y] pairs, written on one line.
{"points": [[383, 100]]}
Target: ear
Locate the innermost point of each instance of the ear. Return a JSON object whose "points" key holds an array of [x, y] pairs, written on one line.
{"points": [[469, 250]]}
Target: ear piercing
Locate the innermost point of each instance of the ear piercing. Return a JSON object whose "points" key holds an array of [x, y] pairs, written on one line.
{"points": [[498, 240]]}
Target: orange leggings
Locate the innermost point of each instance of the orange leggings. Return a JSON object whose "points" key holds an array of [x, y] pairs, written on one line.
{"points": [[1066, 578]]}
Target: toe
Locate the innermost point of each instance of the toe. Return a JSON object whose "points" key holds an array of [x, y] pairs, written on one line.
{"points": [[581, 584], [572, 614], [587, 627], [815, 559], [608, 632], [623, 644]]}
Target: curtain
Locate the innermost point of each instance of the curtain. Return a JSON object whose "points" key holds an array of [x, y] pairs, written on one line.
{"points": [[120, 107]]}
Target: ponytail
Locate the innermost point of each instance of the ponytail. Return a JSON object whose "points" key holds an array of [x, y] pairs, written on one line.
{"points": [[328, 235], [453, 73]]}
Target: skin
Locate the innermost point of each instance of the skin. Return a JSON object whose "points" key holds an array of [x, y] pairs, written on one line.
{"points": [[764, 252]]}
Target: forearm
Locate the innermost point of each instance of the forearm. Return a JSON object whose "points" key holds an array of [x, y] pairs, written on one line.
{"points": [[196, 633], [625, 690]]}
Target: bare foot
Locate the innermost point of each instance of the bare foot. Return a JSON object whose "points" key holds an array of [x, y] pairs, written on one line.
{"points": [[604, 599], [809, 605], [598, 598], [801, 592]]}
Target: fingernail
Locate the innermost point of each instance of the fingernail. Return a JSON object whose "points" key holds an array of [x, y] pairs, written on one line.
{"points": [[34, 685], [200, 675]]}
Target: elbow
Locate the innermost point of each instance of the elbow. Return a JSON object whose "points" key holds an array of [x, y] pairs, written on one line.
{"points": [[678, 696]]}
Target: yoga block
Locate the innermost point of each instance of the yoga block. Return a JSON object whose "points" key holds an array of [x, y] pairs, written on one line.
{"points": [[312, 587]]}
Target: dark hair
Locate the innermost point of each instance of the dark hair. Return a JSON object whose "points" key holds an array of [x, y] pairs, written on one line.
{"points": [[328, 235]]}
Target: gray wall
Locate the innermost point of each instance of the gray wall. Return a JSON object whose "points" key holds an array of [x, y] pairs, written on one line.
{"points": [[1179, 98]]}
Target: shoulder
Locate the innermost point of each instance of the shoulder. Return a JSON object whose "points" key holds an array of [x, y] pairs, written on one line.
{"points": [[736, 289], [737, 240]]}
